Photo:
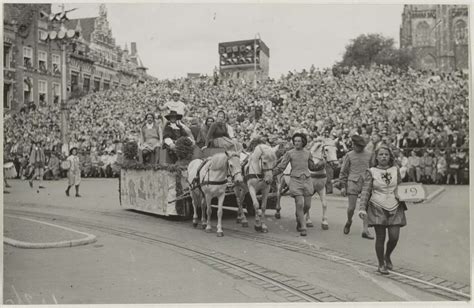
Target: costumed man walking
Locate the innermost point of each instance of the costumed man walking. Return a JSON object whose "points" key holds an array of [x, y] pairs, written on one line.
{"points": [[37, 162], [353, 169], [74, 172]]}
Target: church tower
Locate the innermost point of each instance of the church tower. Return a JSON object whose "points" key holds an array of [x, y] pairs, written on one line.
{"points": [[438, 35]]}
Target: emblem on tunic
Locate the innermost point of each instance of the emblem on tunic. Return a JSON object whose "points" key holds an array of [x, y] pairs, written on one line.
{"points": [[387, 177]]}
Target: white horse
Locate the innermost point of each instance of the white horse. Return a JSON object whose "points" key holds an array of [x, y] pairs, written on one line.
{"points": [[258, 177], [208, 179], [321, 150]]}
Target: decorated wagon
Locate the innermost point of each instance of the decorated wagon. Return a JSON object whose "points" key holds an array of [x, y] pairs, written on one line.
{"points": [[163, 188]]}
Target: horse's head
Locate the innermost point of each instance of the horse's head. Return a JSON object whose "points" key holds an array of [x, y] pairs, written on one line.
{"points": [[325, 150], [267, 160], [233, 166]]}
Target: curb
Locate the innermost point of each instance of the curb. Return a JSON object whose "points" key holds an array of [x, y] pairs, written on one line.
{"points": [[90, 238], [435, 194]]}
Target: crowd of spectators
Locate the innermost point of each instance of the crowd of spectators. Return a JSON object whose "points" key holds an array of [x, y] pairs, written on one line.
{"points": [[421, 114]]}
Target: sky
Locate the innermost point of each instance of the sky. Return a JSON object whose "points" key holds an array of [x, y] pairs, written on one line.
{"points": [[175, 39]]}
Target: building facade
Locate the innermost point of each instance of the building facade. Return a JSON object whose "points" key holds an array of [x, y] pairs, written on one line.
{"points": [[244, 60], [438, 36], [32, 65]]}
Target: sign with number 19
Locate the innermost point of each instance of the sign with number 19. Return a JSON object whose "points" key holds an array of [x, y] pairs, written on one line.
{"points": [[411, 192]]}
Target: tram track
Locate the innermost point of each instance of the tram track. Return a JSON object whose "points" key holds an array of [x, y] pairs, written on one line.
{"points": [[285, 286], [427, 283]]}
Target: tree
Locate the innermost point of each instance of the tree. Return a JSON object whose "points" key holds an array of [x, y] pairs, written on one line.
{"points": [[366, 50]]}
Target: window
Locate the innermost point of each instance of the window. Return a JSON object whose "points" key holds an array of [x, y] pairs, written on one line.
{"points": [[74, 81], [27, 90], [7, 55], [87, 84], [27, 56], [42, 61], [56, 93], [7, 95], [460, 32], [56, 59], [42, 92], [42, 35], [96, 85], [422, 34], [106, 85]]}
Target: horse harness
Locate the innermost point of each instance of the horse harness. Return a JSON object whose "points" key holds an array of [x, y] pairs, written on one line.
{"points": [[249, 176], [321, 175], [313, 175], [196, 181]]}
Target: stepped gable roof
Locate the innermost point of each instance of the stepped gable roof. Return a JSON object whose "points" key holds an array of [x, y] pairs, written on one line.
{"points": [[87, 26]]}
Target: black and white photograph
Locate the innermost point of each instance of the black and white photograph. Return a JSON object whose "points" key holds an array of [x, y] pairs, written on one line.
{"points": [[236, 153]]}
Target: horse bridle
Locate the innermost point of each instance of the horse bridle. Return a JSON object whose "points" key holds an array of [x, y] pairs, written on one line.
{"points": [[229, 171], [262, 170], [324, 156]]}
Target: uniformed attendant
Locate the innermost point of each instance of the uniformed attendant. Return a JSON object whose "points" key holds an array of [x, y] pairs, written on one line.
{"points": [[301, 186]]}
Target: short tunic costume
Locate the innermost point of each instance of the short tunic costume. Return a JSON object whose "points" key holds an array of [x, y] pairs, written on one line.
{"points": [[300, 177], [37, 158], [379, 200], [353, 169]]}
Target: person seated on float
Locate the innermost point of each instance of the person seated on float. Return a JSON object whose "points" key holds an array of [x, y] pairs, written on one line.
{"points": [[202, 136], [175, 105], [172, 131], [151, 135], [220, 134]]}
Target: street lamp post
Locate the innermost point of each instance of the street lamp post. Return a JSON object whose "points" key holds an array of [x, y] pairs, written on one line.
{"points": [[255, 60], [63, 37], [64, 109]]}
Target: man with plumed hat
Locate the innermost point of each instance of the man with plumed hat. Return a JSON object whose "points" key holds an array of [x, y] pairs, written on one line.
{"points": [[174, 130], [351, 178]]}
